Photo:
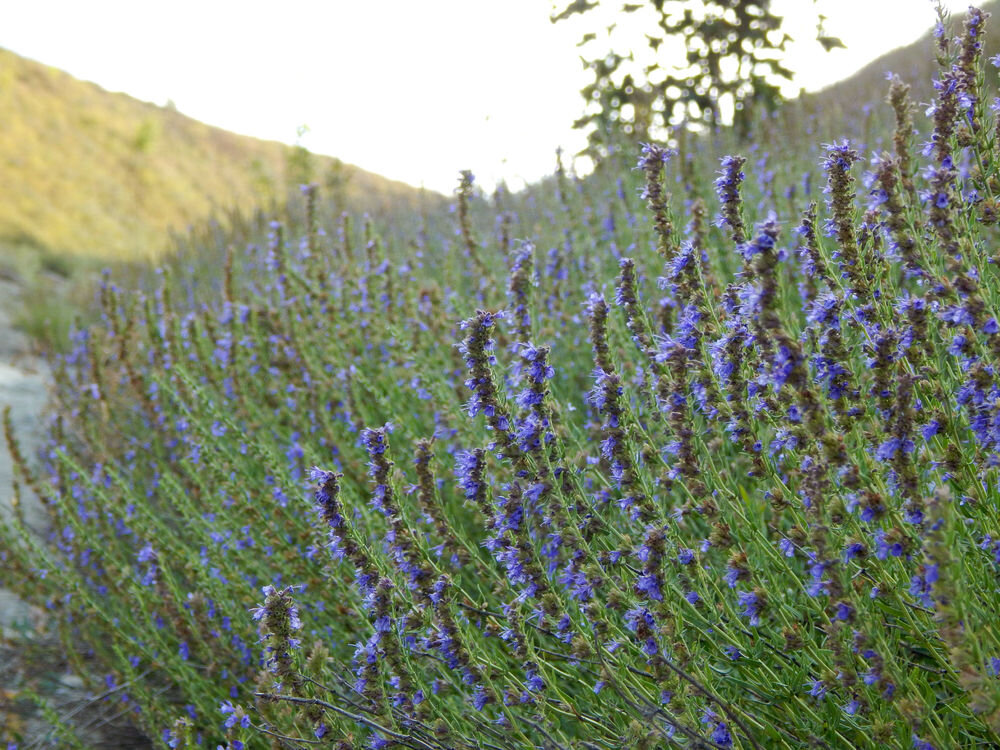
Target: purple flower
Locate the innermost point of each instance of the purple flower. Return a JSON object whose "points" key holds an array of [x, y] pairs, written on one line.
{"points": [[721, 735], [994, 667], [533, 681], [818, 689], [888, 449], [733, 575], [843, 611], [853, 550], [480, 698], [752, 605], [653, 156], [922, 584], [468, 471], [650, 586], [634, 617], [234, 715], [929, 430], [883, 548], [374, 440], [956, 315]]}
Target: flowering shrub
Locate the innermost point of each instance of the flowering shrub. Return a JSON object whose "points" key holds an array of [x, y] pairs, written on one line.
{"points": [[734, 486]]}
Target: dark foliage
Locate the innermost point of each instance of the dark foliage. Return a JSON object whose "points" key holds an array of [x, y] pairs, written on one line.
{"points": [[730, 60]]}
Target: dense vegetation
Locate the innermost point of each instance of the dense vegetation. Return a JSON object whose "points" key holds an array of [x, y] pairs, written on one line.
{"points": [[94, 178], [707, 457]]}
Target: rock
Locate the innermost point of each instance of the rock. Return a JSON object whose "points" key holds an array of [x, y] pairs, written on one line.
{"points": [[26, 393], [14, 614], [71, 682]]}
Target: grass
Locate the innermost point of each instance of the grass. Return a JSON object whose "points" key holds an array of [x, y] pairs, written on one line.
{"points": [[94, 173], [101, 180]]}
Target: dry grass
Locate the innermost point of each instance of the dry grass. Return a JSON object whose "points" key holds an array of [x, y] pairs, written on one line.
{"points": [[96, 173]]}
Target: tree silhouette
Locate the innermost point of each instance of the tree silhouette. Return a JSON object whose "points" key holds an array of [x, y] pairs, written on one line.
{"points": [[709, 59]]}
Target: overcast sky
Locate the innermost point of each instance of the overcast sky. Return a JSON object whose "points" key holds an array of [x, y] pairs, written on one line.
{"points": [[415, 90]]}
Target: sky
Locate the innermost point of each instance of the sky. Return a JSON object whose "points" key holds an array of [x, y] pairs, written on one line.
{"points": [[415, 90]]}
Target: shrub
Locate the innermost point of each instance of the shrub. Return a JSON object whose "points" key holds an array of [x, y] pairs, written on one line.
{"points": [[719, 486]]}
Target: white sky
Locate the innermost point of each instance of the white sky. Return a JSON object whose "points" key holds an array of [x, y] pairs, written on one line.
{"points": [[415, 90]]}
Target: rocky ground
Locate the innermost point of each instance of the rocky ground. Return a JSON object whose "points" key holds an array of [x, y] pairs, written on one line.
{"points": [[31, 657], [24, 387]]}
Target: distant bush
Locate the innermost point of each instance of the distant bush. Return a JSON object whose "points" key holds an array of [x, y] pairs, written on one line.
{"points": [[725, 478], [145, 136]]}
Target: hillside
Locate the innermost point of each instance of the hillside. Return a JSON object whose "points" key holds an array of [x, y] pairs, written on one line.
{"points": [[914, 63], [91, 172], [856, 99], [87, 171]]}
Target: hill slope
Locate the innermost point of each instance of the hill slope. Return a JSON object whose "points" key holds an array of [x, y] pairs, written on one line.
{"points": [[856, 97], [100, 173]]}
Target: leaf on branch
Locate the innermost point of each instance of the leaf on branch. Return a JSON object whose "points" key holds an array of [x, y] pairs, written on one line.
{"points": [[830, 42], [577, 6], [709, 40]]}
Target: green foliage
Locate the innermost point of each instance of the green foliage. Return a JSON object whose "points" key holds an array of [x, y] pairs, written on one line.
{"points": [[57, 264], [723, 473], [56, 296], [300, 166], [704, 57], [337, 180], [47, 318], [145, 136]]}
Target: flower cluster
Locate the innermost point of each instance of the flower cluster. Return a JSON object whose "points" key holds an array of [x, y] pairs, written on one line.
{"points": [[751, 504]]}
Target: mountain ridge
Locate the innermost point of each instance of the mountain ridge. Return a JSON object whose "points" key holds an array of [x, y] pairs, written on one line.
{"points": [[93, 172]]}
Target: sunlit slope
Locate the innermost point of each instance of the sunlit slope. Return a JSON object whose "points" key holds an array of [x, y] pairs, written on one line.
{"points": [[99, 173], [914, 64]]}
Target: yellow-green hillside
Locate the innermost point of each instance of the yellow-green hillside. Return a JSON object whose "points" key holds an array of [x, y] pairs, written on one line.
{"points": [[87, 171]]}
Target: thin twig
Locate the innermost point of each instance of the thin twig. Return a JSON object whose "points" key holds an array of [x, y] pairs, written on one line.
{"points": [[402, 738], [284, 737]]}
